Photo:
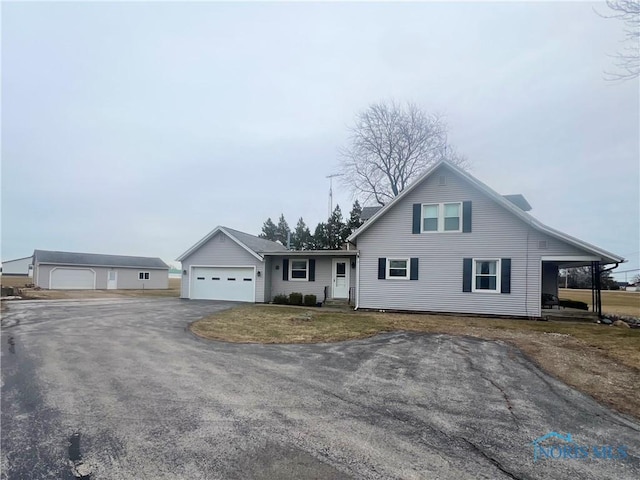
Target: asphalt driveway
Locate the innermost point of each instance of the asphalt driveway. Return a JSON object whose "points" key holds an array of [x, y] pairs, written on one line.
{"points": [[120, 389]]}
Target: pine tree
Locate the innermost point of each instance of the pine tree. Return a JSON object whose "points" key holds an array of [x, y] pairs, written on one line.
{"points": [[282, 231], [269, 230], [301, 238], [354, 217], [320, 239], [336, 230]]}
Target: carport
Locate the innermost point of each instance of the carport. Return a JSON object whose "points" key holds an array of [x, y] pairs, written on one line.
{"points": [[552, 265]]}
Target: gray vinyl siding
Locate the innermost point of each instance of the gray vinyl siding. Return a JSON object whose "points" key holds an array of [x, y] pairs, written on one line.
{"points": [[221, 251], [323, 278], [127, 277], [496, 233]]}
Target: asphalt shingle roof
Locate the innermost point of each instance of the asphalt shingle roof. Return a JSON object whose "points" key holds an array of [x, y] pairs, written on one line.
{"points": [[254, 243], [368, 212], [96, 259]]}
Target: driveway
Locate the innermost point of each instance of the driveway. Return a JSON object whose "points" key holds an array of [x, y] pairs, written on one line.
{"points": [[119, 389]]}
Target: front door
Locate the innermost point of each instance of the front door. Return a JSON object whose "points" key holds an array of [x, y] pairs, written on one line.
{"points": [[340, 278], [112, 280]]}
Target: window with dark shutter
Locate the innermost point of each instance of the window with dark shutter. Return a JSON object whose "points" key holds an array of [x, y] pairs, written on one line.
{"points": [[382, 268], [312, 269], [285, 269], [413, 271], [417, 217], [466, 217], [467, 266], [505, 280]]}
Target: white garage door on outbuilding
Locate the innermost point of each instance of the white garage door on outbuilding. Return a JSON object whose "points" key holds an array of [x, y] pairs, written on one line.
{"points": [[73, 279], [223, 283]]}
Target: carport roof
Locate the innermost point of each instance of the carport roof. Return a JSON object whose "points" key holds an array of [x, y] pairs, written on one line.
{"points": [[96, 259]]}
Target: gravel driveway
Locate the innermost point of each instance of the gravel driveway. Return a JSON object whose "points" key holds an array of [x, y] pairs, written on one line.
{"points": [[121, 389]]}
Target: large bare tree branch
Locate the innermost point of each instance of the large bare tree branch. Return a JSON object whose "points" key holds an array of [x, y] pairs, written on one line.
{"points": [[627, 60], [390, 146]]}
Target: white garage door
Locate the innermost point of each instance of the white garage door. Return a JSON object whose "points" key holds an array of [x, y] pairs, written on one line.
{"points": [[72, 279], [223, 283]]}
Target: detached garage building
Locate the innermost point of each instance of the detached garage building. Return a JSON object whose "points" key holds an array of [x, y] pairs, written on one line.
{"points": [[90, 271], [20, 267]]}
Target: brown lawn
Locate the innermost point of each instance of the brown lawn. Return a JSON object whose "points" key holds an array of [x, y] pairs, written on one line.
{"points": [[30, 293], [613, 301], [602, 361]]}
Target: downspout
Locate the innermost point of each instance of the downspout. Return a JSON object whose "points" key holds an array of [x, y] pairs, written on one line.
{"points": [[357, 281]]}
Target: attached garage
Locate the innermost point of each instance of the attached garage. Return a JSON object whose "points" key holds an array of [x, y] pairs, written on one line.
{"points": [[72, 279], [228, 264], [223, 283]]}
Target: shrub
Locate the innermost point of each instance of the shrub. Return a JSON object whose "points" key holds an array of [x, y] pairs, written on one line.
{"points": [[281, 299], [295, 298], [310, 300], [573, 304]]}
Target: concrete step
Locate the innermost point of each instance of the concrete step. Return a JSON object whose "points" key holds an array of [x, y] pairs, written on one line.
{"points": [[336, 302]]}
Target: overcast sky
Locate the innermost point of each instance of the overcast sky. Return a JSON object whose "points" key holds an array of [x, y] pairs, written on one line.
{"points": [[136, 128]]}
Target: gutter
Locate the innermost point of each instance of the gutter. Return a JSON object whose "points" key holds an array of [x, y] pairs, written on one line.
{"points": [[610, 268]]}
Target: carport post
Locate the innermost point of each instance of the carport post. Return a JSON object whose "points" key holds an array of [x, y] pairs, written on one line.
{"points": [[596, 288]]}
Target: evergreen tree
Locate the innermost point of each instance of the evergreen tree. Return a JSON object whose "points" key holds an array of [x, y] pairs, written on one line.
{"points": [[320, 240], [354, 217], [269, 230], [301, 238], [337, 231], [282, 231]]}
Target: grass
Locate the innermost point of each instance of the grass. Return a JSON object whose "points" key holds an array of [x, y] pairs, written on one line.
{"points": [[613, 301], [284, 324], [18, 281], [172, 291], [601, 361]]}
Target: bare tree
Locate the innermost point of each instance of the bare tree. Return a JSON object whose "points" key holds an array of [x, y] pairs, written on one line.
{"points": [[391, 145], [626, 60]]}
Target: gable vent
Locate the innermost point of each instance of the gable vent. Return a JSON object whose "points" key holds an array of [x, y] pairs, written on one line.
{"points": [[442, 180], [223, 238], [542, 244]]}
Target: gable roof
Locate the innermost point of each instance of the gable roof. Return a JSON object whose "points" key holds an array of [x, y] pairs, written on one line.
{"points": [[96, 259], [252, 244], [16, 259], [501, 200]]}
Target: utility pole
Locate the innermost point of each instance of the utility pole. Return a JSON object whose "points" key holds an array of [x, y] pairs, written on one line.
{"points": [[330, 177]]}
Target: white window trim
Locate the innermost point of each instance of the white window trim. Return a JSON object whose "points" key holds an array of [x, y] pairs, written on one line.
{"points": [[440, 218], [306, 278], [389, 260], [498, 275], [147, 274]]}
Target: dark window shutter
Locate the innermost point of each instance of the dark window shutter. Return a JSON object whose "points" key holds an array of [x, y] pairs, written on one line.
{"points": [[382, 268], [285, 269], [466, 217], [312, 269], [466, 274], [505, 275], [417, 213], [414, 269]]}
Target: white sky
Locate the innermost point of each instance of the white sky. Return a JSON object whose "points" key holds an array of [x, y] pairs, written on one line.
{"points": [[136, 128]]}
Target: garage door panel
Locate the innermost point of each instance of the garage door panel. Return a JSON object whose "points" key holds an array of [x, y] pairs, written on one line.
{"points": [[72, 279], [223, 283]]}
